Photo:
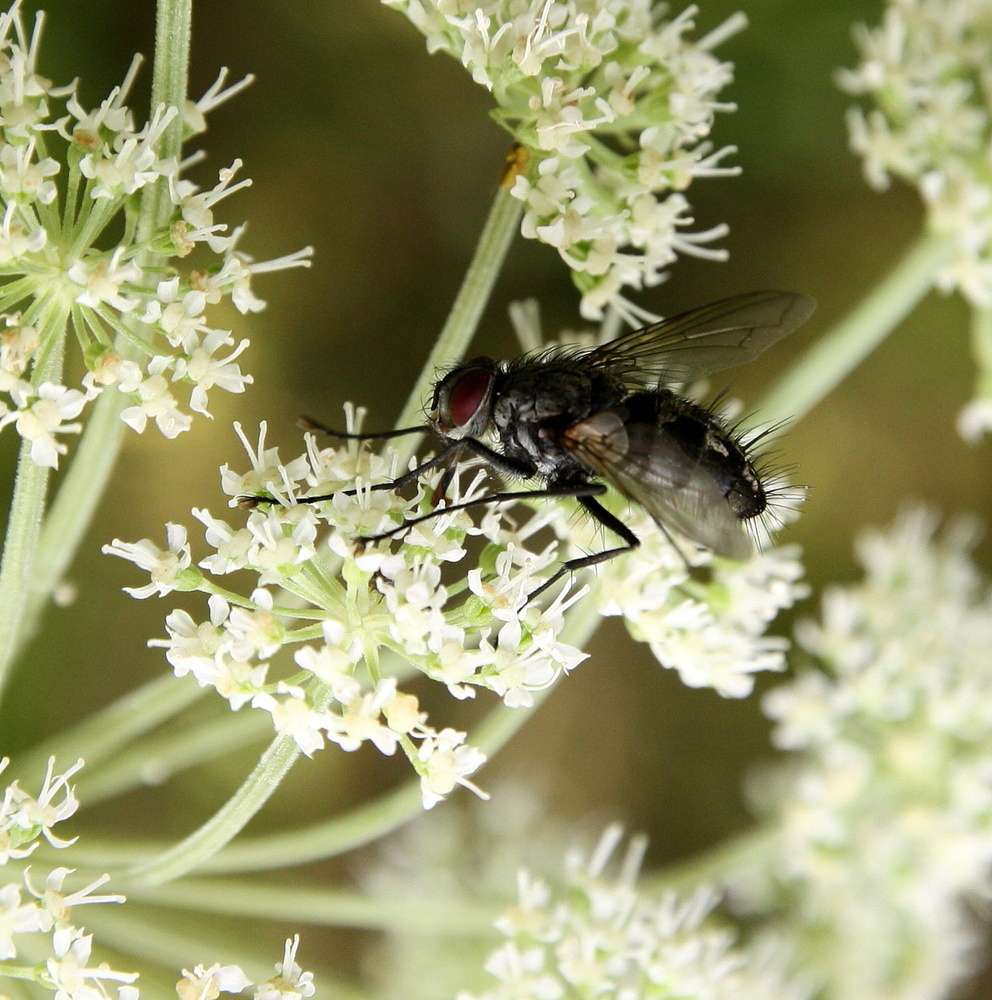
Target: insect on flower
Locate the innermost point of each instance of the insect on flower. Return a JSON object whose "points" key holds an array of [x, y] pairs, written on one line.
{"points": [[581, 419]]}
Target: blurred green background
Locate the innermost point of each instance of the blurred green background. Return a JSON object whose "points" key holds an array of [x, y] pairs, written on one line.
{"points": [[385, 161]]}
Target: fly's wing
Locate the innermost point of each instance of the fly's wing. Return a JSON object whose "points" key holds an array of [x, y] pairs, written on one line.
{"points": [[646, 465], [704, 340]]}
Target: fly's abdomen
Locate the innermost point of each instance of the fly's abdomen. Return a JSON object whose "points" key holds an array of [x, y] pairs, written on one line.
{"points": [[706, 446]]}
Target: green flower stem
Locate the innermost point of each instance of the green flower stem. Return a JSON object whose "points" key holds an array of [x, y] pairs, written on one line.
{"points": [[838, 353], [102, 735], [170, 83], [27, 507], [490, 252], [224, 825], [981, 349], [747, 852], [299, 904], [169, 753], [72, 510], [23, 529]]}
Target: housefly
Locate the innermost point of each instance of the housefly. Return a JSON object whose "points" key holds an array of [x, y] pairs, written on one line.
{"points": [[580, 420]]}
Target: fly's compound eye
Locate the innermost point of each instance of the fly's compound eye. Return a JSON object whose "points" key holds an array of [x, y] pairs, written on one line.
{"points": [[463, 395]]}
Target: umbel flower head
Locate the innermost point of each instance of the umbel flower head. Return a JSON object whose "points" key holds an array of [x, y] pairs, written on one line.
{"points": [[41, 937], [614, 105], [881, 826], [599, 936], [359, 617], [924, 72], [363, 614], [69, 177]]}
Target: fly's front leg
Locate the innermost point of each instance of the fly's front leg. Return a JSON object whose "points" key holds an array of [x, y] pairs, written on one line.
{"points": [[394, 484]]}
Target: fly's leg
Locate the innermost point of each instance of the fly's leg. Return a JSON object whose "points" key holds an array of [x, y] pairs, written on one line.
{"points": [[447, 454], [440, 458], [583, 491], [607, 520]]}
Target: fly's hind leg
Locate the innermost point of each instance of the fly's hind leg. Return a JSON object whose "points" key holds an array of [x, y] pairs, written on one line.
{"points": [[607, 520], [581, 492]]}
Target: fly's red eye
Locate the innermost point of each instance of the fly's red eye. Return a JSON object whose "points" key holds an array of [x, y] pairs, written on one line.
{"points": [[467, 395]]}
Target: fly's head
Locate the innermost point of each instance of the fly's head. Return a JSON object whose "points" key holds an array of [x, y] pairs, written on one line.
{"points": [[462, 406]]}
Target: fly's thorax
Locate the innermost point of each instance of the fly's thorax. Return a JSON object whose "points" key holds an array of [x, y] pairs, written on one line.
{"points": [[705, 441], [463, 400], [535, 403]]}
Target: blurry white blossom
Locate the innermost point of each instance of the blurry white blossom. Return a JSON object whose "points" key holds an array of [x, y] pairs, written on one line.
{"points": [[599, 936], [614, 105], [68, 176], [924, 72], [881, 826], [464, 859]]}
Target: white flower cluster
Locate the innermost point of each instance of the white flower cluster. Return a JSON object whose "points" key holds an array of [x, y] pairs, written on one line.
{"points": [[28, 909], [614, 106], [465, 859], [598, 937], [289, 983], [882, 824], [69, 174], [925, 68], [354, 607], [709, 626]]}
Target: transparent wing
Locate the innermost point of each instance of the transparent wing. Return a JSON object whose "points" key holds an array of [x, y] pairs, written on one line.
{"points": [[708, 339], [648, 467]]}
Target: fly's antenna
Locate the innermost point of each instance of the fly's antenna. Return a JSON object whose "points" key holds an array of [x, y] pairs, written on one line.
{"points": [[309, 424]]}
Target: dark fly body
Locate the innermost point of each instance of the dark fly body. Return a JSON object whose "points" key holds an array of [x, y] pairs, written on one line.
{"points": [[578, 420]]}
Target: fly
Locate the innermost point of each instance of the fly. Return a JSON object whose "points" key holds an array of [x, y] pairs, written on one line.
{"points": [[580, 420]]}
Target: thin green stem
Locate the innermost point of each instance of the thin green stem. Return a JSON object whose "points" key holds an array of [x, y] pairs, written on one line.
{"points": [[981, 349], [100, 736], [170, 83], [837, 354], [161, 756], [27, 508], [296, 904], [490, 252], [23, 529], [746, 852], [72, 510], [225, 824]]}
